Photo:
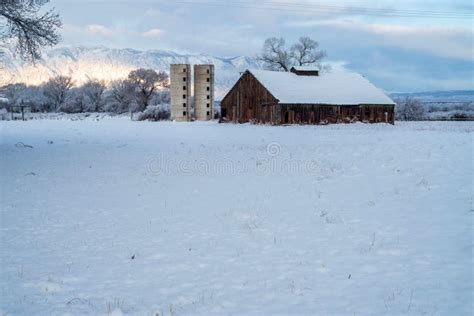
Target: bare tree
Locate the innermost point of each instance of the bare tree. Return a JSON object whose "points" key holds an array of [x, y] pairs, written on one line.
{"points": [[14, 92], [121, 92], [410, 109], [275, 56], [93, 91], [306, 52], [76, 102], [32, 29], [56, 91], [146, 82]]}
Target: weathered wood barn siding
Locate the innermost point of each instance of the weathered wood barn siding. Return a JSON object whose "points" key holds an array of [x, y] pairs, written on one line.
{"points": [[250, 101], [323, 114]]}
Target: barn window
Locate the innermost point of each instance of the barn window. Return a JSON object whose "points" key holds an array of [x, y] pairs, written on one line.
{"points": [[184, 87], [184, 105], [184, 96], [184, 113], [224, 112]]}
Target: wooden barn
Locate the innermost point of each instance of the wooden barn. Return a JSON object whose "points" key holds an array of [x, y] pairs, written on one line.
{"points": [[304, 96]]}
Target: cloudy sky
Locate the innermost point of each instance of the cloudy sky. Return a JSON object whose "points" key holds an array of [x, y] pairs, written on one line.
{"points": [[400, 45]]}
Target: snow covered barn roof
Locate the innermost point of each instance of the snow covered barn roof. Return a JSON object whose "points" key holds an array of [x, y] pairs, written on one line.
{"points": [[328, 88]]}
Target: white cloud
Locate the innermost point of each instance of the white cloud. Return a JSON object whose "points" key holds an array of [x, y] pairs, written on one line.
{"points": [[152, 33], [410, 48], [450, 42], [99, 30]]}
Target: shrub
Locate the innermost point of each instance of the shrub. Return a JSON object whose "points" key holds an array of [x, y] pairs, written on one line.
{"points": [[4, 115], [409, 109], [459, 115], [154, 113]]}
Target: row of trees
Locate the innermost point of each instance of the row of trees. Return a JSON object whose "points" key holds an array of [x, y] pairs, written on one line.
{"points": [[142, 87]]}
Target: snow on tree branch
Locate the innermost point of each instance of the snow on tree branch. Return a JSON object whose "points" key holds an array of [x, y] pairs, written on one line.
{"points": [[23, 21]]}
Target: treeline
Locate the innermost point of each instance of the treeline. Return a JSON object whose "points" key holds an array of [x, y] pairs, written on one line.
{"points": [[144, 90], [411, 109]]}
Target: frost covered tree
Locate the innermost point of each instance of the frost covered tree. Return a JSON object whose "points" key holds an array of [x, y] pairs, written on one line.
{"points": [[120, 95], [276, 56], [76, 102], [33, 96], [410, 109], [146, 82], [19, 93], [56, 91], [24, 22], [93, 91], [14, 93], [161, 97]]}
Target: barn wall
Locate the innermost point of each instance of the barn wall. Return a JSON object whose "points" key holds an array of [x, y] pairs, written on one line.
{"points": [[376, 113], [248, 101], [324, 114]]}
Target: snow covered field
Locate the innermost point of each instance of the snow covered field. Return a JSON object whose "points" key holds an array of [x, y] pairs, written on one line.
{"points": [[114, 216]]}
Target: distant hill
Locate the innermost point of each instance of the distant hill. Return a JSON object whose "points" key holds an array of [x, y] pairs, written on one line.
{"points": [[108, 63], [453, 96]]}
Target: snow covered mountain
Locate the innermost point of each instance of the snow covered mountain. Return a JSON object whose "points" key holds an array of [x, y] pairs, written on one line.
{"points": [[108, 63]]}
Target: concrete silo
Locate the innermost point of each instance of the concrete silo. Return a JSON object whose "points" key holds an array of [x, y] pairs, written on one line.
{"points": [[204, 92], [180, 89]]}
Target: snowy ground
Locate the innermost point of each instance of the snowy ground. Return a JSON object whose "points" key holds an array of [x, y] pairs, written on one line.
{"points": [[208, 219]]}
